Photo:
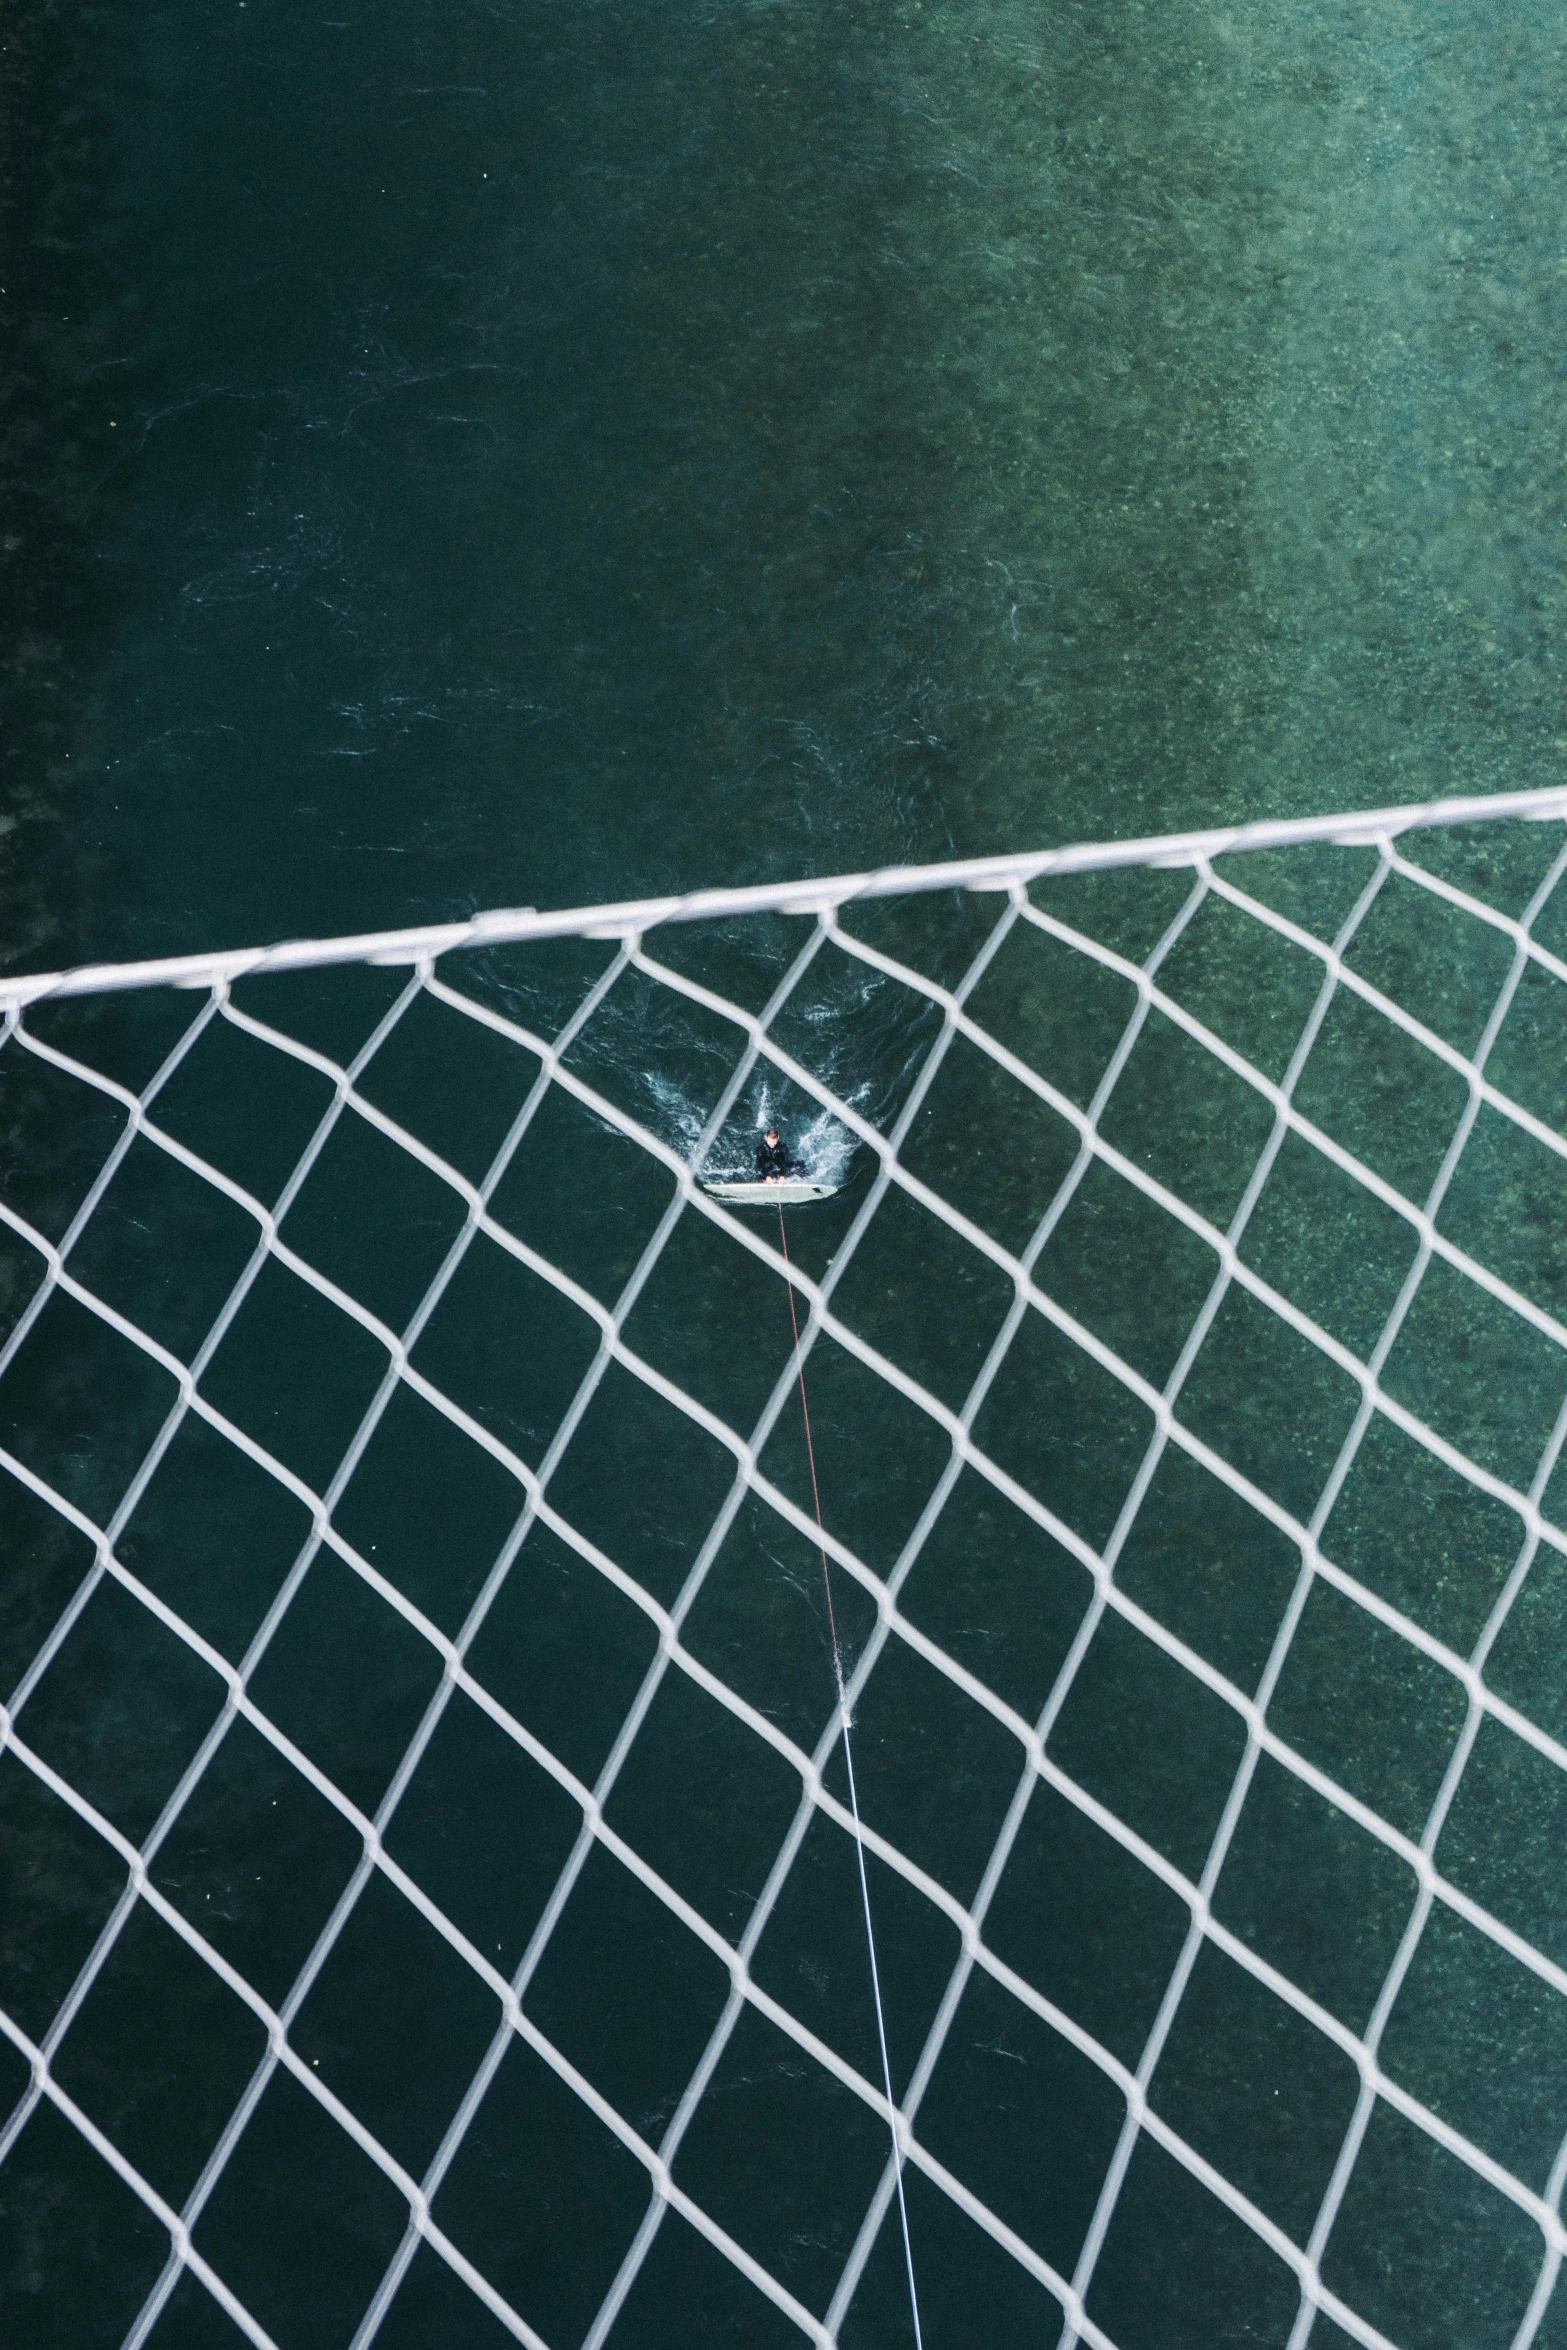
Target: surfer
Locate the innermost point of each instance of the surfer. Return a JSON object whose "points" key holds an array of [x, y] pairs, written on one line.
{"points": [[780, 1181], [773, 1162]]}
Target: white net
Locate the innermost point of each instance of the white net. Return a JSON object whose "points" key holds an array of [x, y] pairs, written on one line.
{"points": [[431, 1909]]}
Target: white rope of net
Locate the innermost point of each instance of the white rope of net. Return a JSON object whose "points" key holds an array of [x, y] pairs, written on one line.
{"points": [[756, 1046], [511, 925]]}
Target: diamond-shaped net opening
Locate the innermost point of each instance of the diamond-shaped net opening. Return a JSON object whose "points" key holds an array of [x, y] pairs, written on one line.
{"points": [[433, 1909]]}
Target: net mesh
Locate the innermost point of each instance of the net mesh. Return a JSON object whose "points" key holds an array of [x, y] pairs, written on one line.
{"points": [[429, 1909]]}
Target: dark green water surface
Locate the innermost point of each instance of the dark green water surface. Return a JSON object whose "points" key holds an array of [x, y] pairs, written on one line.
{"points": [[519, 453], [514, 453]]}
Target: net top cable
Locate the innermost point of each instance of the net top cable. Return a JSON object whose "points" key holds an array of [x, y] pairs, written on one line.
{"points": [[507, 926], [822, 898]]}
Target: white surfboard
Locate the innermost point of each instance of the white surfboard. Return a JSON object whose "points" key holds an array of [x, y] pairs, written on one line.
{"points": [[789, 1191]]}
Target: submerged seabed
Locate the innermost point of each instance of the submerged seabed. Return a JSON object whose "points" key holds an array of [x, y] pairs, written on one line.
{"points": [[520, 455]]}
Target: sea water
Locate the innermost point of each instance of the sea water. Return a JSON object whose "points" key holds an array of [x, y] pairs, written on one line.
{"points": [[516, 454]]}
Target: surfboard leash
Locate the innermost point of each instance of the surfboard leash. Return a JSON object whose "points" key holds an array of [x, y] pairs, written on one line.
{"points": [[854, 1803]]}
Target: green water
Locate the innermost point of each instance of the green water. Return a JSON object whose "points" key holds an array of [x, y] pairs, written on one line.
{"points": [[516, 456]]}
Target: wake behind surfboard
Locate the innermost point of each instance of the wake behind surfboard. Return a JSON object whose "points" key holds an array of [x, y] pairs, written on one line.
{"points": [[788, 1191]]}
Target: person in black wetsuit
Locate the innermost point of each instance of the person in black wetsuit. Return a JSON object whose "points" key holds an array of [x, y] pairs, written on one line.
{"points": [[773, 1162]]}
